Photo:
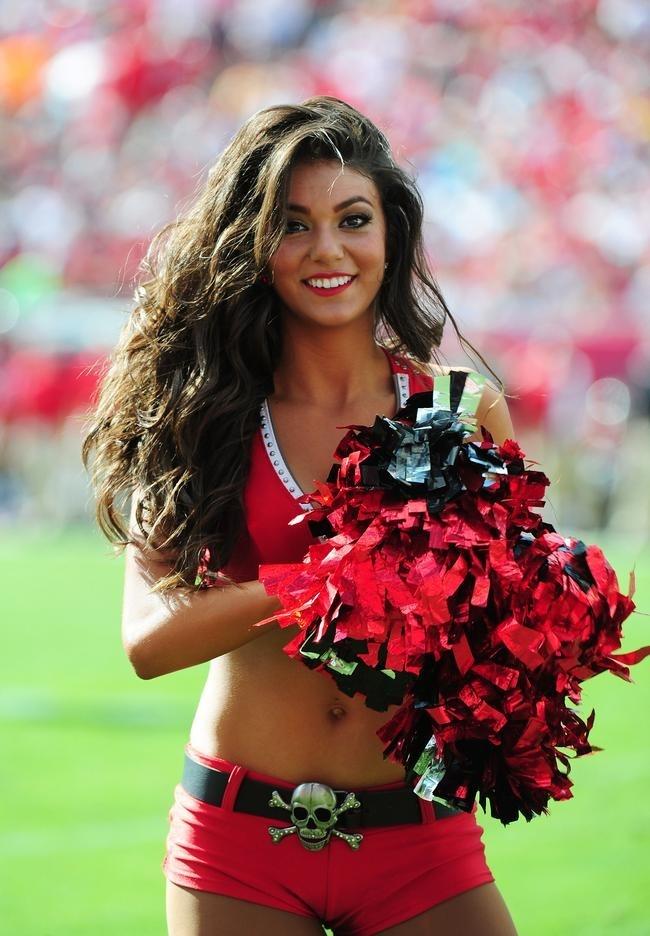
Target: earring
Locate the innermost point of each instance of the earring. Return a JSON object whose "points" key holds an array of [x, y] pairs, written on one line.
{"points": [[264, 278]]}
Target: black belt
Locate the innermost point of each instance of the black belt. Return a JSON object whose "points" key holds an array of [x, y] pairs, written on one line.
{"points": [[376, 807]]}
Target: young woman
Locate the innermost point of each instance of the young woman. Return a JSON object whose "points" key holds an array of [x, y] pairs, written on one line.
{"points": [[293, 299]]}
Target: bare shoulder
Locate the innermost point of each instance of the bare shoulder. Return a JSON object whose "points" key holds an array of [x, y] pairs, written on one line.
{"points": [[492, 412]]}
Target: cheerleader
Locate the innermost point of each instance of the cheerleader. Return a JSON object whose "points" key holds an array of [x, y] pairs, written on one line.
{"points": [[291, 300]]}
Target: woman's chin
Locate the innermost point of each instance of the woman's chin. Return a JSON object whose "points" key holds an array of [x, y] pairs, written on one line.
{"points": [[330, 318]]}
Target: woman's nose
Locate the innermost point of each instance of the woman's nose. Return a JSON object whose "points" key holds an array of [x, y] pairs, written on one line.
{"points": [[326, 245]]}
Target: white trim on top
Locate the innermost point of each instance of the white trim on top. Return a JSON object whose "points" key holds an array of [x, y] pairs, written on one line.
{"points": [[272, 448], [401, 389]]}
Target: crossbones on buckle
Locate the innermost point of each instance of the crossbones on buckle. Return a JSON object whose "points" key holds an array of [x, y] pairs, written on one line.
{"points": [[314, 814]]}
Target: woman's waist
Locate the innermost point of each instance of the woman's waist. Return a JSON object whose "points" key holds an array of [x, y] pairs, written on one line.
{"points": [[275, 774], [297, 732], [339, 766]]}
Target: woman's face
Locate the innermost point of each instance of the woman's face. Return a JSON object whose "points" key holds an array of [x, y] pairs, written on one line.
{"points": [[330, 264]]}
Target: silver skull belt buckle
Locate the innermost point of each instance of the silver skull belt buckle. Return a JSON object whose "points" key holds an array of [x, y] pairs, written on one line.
{"points": [[314, 814]]}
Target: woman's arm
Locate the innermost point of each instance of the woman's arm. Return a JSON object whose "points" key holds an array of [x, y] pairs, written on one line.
{"points": [[167, 631], [493, 413]]}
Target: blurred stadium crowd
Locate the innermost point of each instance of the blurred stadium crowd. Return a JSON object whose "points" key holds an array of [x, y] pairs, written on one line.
{"points": [[526, 122]]}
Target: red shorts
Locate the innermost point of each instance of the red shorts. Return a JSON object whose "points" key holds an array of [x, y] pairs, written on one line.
{"points": [[397, 873]]}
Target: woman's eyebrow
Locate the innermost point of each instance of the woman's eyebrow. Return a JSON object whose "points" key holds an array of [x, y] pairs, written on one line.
{"points": [[344, 204]]}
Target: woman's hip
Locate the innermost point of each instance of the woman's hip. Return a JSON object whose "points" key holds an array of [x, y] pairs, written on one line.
{"points": [[257, 837]]}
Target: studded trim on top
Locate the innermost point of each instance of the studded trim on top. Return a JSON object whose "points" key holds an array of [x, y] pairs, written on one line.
{"points": [[272, 448], [401, 388]]}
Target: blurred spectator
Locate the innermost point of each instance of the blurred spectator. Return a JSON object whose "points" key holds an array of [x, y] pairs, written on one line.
{"points": [[527, 124]]}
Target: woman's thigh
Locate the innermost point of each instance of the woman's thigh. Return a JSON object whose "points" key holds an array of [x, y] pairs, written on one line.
{"points": [[199, 913], [478, 912]]}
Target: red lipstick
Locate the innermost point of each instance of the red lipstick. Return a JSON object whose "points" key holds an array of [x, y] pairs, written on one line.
{"points": [[331, 290]]}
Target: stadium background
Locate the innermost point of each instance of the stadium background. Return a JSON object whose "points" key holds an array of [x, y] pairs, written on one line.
{"points": [[528, 127]]}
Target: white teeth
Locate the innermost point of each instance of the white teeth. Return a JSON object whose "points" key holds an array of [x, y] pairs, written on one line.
{"points": [[330, 283]]}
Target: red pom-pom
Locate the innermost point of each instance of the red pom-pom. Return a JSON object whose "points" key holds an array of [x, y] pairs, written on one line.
{"points": [[437, 585]]}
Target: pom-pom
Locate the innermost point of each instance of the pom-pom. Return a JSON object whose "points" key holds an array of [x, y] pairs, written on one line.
{"points": [[436, 586]]}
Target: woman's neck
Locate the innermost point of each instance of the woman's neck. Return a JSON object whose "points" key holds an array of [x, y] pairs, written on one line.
{"points": [[330, 368]]}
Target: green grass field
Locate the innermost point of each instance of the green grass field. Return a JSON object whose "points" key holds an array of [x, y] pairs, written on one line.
{"points": [[90, 756]]}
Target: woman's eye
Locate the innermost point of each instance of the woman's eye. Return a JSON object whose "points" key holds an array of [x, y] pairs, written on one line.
{"points": [[294, 226], [356, 220], [350, 221]]}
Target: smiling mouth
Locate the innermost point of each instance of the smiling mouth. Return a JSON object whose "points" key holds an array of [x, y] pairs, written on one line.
{"points": [[328, 286]]}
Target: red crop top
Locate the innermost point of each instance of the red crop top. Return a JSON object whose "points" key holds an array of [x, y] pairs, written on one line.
{"points": [[271, 492]]}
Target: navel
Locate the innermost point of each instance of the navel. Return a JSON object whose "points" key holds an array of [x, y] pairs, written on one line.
{"points": [[337, 712]]}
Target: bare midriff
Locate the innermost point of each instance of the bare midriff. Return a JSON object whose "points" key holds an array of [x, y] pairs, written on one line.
{"points": [[272, 714]]}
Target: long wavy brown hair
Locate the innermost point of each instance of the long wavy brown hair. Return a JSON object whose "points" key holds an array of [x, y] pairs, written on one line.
{"points": [[180, 400]]}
